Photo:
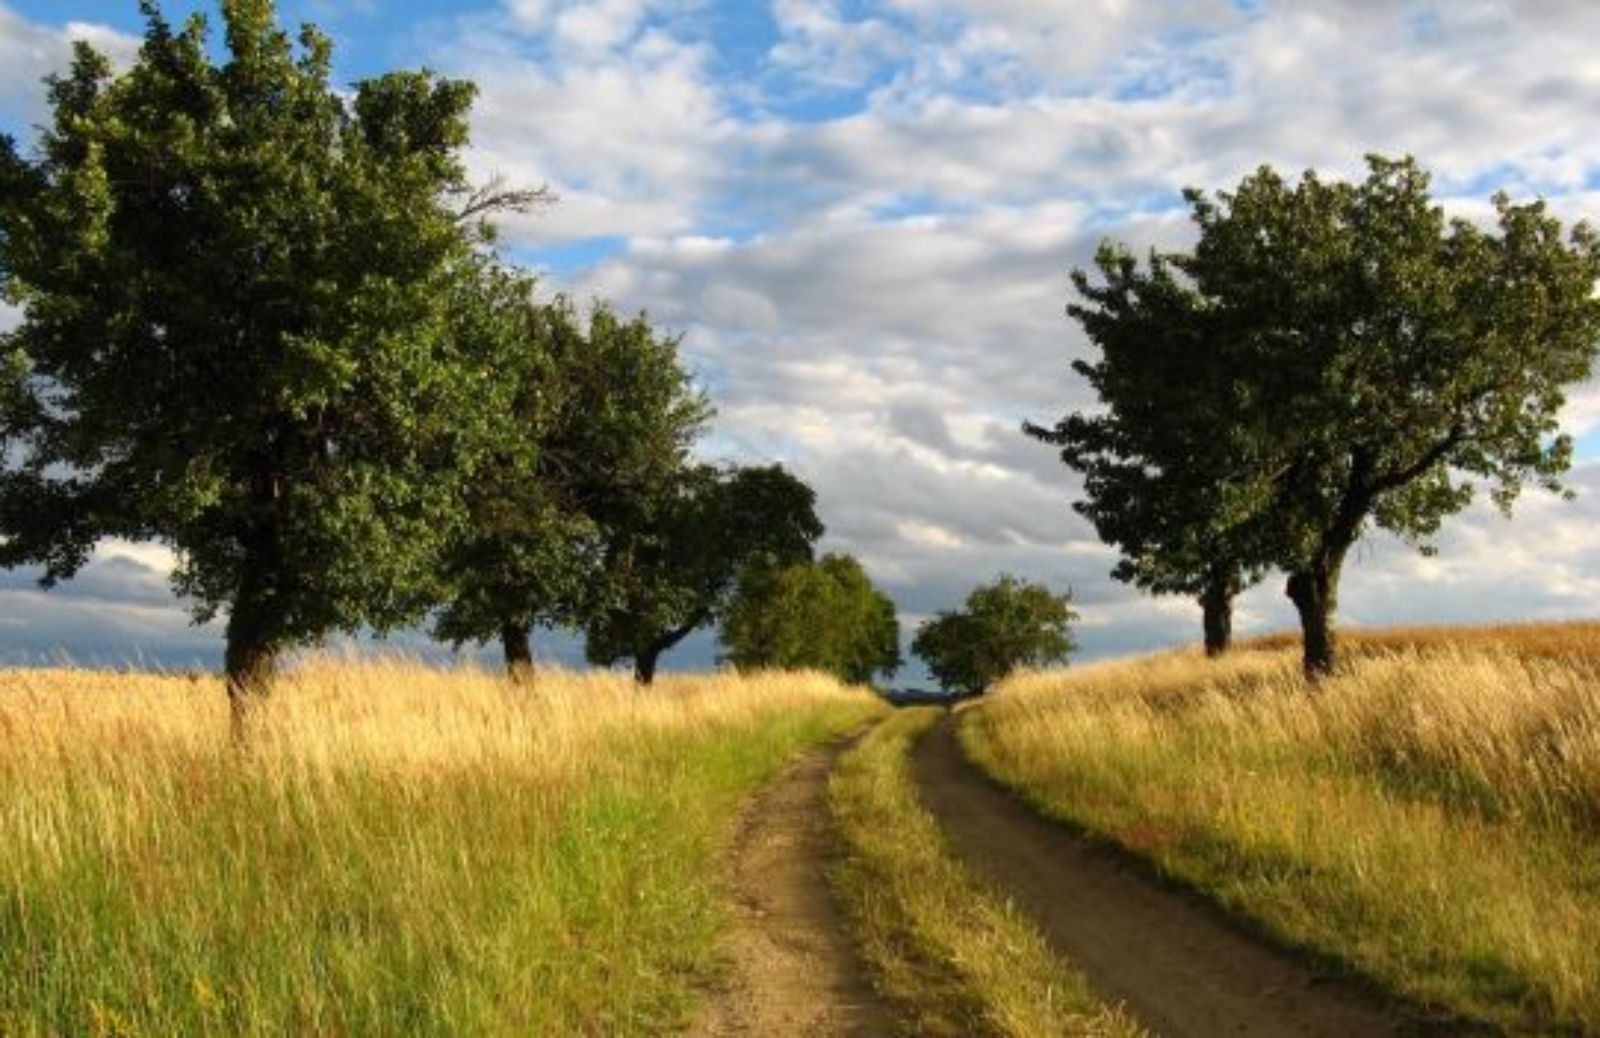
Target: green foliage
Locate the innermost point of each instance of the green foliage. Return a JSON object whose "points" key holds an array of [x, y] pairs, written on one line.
{"points": [[1170, 460], [678, 569], [825, 615], [1008, 624], [1336, 356], [236, 335], [590, 459]]}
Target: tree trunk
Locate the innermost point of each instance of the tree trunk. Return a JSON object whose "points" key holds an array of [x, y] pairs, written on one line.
{"points": [[644, 666], [1216, 604], [254, 641], [515, 642], [1314, 592]]}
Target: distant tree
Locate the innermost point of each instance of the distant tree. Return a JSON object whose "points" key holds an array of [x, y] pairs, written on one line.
{"points": [[235, 281], [1008, 624], [591, 464], [1393, 355], [678, 572], [1171, 461], [825, 615]]}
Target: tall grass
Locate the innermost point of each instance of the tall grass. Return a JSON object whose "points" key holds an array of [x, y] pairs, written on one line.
{"points": [[400, 850], [1428, 817]]}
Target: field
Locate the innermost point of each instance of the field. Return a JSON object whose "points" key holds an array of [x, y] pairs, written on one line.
{"points": [[401, 850], [1427, 818]]}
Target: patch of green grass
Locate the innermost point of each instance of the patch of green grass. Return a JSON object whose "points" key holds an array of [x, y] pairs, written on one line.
{"points": [[953, 956]]}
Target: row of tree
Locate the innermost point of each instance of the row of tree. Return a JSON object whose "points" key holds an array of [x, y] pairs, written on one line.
{"points": [[1328, 358], [263, 323]]}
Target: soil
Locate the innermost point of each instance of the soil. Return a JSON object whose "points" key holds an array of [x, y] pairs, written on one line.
{"points": [[793, 968], [1176, 963]]}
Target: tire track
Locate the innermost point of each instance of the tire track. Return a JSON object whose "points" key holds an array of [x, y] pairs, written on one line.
{"points": [[1174, 961]]}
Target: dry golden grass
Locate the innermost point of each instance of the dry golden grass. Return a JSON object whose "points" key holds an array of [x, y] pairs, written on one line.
{"points": [[401, 849], [1429, 816], [1573, 639]]}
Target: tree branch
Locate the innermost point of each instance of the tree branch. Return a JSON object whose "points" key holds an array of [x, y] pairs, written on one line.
{"points": [[495, 197]]}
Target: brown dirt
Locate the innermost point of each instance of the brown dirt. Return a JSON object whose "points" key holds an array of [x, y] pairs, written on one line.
{"points": [[1176, 963], [793, 968]]}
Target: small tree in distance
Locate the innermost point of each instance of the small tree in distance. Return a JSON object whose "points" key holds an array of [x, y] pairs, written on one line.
{"points": [[680, 569], [825, 615], [1008, 624]]}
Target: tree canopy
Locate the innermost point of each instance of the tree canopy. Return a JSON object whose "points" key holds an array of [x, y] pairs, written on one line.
{"points": [[1369, 361], [585, 477], [677, 572], [1006, 624], [825, 615], [1169, 460], [235, 282]]}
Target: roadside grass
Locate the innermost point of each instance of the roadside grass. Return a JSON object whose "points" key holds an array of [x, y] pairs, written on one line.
{"points": [[1428, 817], [402, 850], [954, 958]]}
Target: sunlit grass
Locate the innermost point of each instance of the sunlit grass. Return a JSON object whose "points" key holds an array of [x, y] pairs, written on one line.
{"points": [[956, 958], [400, 850], [1430, 816]]}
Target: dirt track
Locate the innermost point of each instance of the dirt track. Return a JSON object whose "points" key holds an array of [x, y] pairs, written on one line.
{"points": [[1175, 964], [794, 971]]}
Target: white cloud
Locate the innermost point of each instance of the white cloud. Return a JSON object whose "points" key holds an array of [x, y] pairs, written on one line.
{"points": [[29, 52]]}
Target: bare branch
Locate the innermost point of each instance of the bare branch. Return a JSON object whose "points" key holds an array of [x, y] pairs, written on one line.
{"points": [[495, 197]]}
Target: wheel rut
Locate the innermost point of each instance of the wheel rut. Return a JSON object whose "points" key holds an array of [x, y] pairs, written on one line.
{"points": [[794, 970], [1173, 961]]}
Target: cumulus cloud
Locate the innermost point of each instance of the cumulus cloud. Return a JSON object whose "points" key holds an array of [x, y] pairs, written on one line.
{"points": [[29, 52]]}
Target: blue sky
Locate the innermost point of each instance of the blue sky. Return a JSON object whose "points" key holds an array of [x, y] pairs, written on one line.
{"points": [[860, 214]]}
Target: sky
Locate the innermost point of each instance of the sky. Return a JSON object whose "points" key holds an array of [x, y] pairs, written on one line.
{"points": [[861, 216]]}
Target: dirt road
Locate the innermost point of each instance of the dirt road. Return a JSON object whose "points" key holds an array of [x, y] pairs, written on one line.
{"points": [[794, 969], [1173, 961]]}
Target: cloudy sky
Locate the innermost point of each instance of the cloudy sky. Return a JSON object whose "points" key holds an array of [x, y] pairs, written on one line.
{"points": [[861, 217]]}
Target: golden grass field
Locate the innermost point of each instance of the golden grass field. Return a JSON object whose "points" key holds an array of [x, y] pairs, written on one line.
{"points": [[400, 849], [1428, 817]]}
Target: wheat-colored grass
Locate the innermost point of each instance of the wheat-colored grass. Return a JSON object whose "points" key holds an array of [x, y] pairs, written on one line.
{"points": [[401, 849], [956, 958], [1428, 817]]}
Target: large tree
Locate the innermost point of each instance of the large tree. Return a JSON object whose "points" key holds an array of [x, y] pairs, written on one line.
{"points": [[826, 615], [235, 282], [678, 572], [1006, 624], [1391, 356], [591, 463], [1170, 457]]}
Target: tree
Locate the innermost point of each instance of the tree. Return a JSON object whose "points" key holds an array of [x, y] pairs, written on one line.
{"points": [[681, 570], [235, 340], [825, 615], [1169, 460], [1008, 624], [592, 456], [1393, 355]]}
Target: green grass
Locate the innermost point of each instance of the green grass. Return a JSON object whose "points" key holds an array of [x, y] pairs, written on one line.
{"points": [[443, 856], [1427, 818], [954, 957]]}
